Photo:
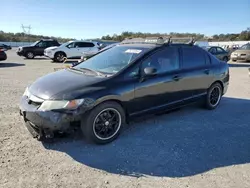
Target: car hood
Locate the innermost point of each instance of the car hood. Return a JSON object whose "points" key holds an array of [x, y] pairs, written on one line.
{"points": [[242, 51], [62, 84], [51, 48]]}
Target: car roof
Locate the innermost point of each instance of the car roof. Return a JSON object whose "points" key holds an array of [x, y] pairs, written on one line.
{"points": [[146, 45], [83, 41], [140, 45], [48, 39]]}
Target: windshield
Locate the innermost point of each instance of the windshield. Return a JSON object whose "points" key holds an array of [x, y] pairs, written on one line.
{"points": [[245, 47], [33, 44], [113, 60]]}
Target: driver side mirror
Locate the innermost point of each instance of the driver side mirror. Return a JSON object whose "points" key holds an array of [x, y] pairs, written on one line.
{"points": [[150, 71]]}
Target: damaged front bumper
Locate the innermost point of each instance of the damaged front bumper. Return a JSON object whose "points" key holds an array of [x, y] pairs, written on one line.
{"points": [[44, 123]]}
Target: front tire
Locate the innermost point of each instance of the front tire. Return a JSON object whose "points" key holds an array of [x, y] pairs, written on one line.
{"points": [[213, 97], [30, 55], [59, 57], [104, 123]]}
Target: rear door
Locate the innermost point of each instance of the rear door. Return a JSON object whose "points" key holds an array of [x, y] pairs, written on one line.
{"points": [[197, 74], [84, 47]]}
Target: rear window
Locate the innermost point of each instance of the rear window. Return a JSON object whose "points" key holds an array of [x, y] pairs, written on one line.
{"points": [[245, 47], [214, 60], [192, 57], [84, 44]]}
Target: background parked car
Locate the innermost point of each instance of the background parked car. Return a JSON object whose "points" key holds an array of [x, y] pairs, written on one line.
{"points": [[243, 53], [6, 47], [86, 55], [3, 55], [71, 50], [219, 52], [37, 48]]}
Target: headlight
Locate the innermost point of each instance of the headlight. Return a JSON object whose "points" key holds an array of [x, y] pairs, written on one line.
{"points": [[26, 92], [53, 105]]}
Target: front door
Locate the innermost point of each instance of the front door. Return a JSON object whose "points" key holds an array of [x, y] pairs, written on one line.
{"points": [[40, 47], [159, 91], [71, 50]]}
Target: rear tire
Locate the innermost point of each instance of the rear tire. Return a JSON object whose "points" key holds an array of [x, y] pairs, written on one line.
{"points": [[213, 96], [104, 123], [30, 55]]}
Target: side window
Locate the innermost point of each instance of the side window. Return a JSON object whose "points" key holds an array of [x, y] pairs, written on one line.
{"points": [[192, 57], [84, 44], [42, 44], [220, 50], [51, 43], [208, 60], [164, 60], [71, 45], [214, 60], [212, 50]]}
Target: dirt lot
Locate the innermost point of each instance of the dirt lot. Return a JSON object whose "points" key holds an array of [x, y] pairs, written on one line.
{"points": [[191, 147]]}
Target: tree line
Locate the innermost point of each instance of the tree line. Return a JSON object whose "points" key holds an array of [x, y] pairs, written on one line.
{"points": [[244, 35], [22, 37]]}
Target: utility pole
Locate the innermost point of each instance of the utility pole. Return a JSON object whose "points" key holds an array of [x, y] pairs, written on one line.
{"points": [[26, 29]]}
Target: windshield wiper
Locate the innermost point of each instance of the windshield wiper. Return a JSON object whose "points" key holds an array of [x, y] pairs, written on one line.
{"points": [[96, 72], [75, 69]]}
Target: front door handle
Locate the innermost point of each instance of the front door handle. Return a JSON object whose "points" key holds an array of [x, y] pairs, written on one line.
{"points": [[176, 78], [206, 71]]}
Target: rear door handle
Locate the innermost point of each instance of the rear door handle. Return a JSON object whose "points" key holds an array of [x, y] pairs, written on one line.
{"points": [[176, 78], [206, 71]]}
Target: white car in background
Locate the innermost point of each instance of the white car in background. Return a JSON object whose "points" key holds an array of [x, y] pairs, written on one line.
{"points": [[88, 54], [71, 50]]}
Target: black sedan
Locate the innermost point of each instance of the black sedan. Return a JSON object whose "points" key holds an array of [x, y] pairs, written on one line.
{"points": [[134, 78]]}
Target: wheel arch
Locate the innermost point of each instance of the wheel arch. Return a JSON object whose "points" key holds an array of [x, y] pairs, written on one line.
{"points": [[115, 100], [219, 82], [60, 52]]}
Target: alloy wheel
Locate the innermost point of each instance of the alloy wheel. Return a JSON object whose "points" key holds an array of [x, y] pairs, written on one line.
{"points": [[60, 57], [30, 55], [215, 96], [107, 124]]}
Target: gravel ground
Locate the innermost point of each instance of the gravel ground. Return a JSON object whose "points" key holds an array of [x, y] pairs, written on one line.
{"points": [[191, 147]]}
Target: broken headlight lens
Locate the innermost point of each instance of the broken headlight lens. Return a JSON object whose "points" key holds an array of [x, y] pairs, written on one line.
{"points": [[55, 105]]}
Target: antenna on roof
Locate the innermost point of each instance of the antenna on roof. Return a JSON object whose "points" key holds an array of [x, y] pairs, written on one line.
{"points": [[168, 41], [192, 41]]}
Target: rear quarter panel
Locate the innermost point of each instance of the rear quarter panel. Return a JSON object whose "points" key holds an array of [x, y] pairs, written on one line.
{"points": [[221, 74]]}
